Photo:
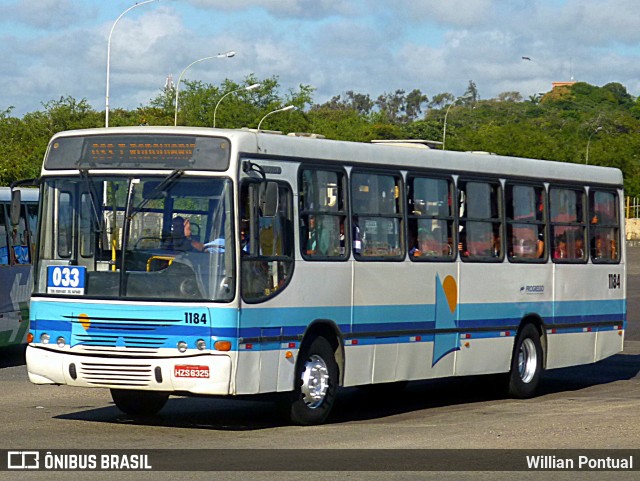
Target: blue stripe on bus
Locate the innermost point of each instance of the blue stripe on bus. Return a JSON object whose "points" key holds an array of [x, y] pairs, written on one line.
{"points": [[397, 321]]}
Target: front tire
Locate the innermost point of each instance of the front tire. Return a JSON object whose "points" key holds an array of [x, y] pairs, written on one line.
{"points": [[316, 384], [526, 363], [139, 403]]}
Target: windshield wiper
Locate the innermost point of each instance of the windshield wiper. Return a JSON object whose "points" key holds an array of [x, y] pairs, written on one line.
{"points": [[155, 193]]}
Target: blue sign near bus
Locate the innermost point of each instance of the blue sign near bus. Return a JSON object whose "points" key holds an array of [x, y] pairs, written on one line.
{"points": [[66, 279]]}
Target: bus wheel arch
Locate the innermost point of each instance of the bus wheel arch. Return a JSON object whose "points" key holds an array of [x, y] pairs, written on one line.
{"points": [[527, 359], [317, 375], [330, 331]]}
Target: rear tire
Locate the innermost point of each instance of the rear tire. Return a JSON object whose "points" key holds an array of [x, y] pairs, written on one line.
{"points": [[526, 363], [316, 384], [139, 403]]}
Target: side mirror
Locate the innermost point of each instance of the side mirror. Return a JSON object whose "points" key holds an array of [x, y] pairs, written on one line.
{"points": [[268, 198], [16, 202]]}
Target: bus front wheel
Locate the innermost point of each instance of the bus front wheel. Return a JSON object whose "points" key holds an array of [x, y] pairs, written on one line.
{"points": [[526, 363], [139, 403], [316, 383]]}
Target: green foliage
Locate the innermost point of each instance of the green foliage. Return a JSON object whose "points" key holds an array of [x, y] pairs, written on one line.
{"points": [[555, 126]]}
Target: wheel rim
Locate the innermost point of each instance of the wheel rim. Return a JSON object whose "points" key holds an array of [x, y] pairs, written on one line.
{"points": [[527, 360], [315, 381]]}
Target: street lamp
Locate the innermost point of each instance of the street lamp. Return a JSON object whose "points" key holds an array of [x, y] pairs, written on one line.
{"points": [[444, 132], [228, 54], [283, 109], [106, 109], [589, 141], [250, 87]]}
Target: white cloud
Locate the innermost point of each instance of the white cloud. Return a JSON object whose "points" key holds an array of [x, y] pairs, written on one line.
{"points": [[367, 46], [47, 14], [312, 9]]}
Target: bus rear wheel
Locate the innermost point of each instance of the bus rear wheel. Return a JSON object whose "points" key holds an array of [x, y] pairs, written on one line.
{"points": [[526, 363], [316, 384], [139, 403]]}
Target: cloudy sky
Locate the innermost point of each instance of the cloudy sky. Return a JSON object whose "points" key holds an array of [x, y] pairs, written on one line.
{"points": [[55, 48]]}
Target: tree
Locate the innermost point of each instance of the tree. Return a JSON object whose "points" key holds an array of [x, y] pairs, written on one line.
{"points": [[414, 103], [392, 105], [471, 95], [510, 97], [438, 101]]}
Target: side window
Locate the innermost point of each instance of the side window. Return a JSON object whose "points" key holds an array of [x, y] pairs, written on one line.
{"points": [[480, 236], [376, 216], [65, 225], [604, 226], [266, 241], [4, 240], [19, 237], [430, 218], [32, 222], [526, 220], [568, 224], [323, 214]]}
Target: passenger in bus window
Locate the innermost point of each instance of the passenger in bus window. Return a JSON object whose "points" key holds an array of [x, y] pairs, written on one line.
{"points": [[579, 248], [180, 238], [496, 245], [540, 243], [357, 240], [560, 248], [312, 236], [598, 248]]}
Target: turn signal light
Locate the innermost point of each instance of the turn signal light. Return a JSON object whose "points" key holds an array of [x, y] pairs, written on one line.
{"points": [[222, 345], [30, 338]]}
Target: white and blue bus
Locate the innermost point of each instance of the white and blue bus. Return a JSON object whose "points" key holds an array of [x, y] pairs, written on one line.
{"points": [[17, 238], [178, 261]]}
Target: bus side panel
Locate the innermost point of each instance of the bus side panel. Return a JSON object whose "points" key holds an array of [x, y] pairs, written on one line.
{"points": [[570, 349], [247, 372], [495, 298], [394, 310], [609, 342], [269, 329], [578, 307], [14, 301]]}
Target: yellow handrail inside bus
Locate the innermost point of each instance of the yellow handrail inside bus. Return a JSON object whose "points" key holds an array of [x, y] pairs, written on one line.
{"points": [[159, 258]]}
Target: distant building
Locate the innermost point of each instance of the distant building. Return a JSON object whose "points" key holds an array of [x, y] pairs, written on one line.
{"points": [[562, 84], [168, 84]]}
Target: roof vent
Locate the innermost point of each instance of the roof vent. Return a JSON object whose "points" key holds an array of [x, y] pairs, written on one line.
{"points": [[306, 134], [414, 143]]}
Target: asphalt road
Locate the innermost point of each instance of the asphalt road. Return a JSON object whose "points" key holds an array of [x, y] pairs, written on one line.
{"points": [[588, 407]]}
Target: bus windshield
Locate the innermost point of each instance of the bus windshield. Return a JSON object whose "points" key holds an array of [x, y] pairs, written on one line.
{"points": [[149, 237]]}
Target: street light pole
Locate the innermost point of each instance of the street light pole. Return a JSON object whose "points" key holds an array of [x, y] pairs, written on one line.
{"points": [[444, 132], [589, 142], [228, 54], [283, 109], [106, 109], [250, 87]]}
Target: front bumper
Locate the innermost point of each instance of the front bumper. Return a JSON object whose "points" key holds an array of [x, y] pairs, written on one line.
{"points": [[46, 366]]}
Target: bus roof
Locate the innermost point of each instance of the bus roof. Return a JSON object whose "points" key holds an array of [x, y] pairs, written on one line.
{"points": [[252, 142]]}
